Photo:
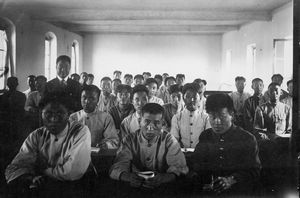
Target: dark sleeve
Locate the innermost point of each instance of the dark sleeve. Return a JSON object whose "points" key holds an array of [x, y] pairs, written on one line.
{"points": [[248, 119], [249, 168], [199, 157]]}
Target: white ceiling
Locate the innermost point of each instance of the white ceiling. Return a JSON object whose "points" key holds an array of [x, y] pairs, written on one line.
{"points": [[146, 16]]}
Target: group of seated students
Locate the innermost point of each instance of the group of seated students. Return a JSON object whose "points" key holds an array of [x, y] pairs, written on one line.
{"points": [[153, 125]]}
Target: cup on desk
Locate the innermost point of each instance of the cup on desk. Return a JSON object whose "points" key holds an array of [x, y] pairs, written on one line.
{"points": [[146, 174]]}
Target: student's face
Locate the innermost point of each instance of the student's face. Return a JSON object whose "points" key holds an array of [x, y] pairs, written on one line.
{"points": [[89, 101], [258, 87], [290, 88], [138, 81], [31, 82], [55, 117], [176, 98], [90, 80], [115, 84], [146, 76], [151, 125], [164, 76], [128, 81], [139, 100], [191, 100], [240, 85], [170, 82], [202, 87], [158, 81], [117, 75], [220, 121], [75, 77], [83, 77], [180, 81], [123, 97], [63, 68], [274, 92], [152, 87], [277, 79], [106, 87], [40, 85]]}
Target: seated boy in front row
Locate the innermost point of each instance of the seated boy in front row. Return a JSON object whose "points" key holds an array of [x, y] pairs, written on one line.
{"points": [[149, 149]]}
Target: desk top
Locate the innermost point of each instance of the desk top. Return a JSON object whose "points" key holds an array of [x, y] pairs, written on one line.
{"points": [[103, 152]]}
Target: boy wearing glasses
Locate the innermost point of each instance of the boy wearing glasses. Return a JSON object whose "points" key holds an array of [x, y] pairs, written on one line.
{"points": [[149, 149]]}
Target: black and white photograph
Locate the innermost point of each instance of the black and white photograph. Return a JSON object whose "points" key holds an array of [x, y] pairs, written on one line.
{"points": [[149, 98]]}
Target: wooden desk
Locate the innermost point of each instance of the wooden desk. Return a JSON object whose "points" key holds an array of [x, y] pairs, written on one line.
{"points": [[103, 160]]}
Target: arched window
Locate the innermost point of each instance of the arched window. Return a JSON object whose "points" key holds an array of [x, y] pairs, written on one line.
{"points": [[7, 50], [50, 55], [74, 57]]}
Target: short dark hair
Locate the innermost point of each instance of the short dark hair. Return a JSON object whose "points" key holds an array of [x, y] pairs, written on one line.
{"points": [[90, 75], [139, 76], [75, 74], [147, 73], [41, 77], [175, 88], [140, 88], [106, 78], [273, 84], [158, 76], [122, 87], [63, 58], [56, 97], [91, 88], [180, 76], [204, 82], [83, 73], [197, 80], [288, 82], [165, 74], [238, 78], [31, 76], [151, 80], [191, 86], [117, 71], [117, 79], [277, 75], [152, 108], [257, 80], [169, 78], [216, 102], [128, 76]]}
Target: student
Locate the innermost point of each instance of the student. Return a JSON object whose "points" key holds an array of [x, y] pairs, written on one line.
{"points": [[75, 77], [138, 79], [274, 118], [276, 78], [239, 97], [53, 155], [202, 84], [152, 85], [289, 99], [117, 74], [115, 83], [63, 84], [124, 107], [252, 103], [188, 124], [146, 75], [106, 99], [132, 122], [90, 79], [83, 79], [149, 149], [31, 85], [226, 155], [175, 106], [164, 93], [101, 125], [128, 79], [180, 79], [158, 79]]}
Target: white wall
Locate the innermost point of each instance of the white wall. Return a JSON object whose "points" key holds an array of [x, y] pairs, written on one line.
{"points": [[262, 34], [194, 55], [30, 45]]}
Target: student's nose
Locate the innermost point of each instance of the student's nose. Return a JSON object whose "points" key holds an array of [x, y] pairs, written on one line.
{"points": [[217, 120]]}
